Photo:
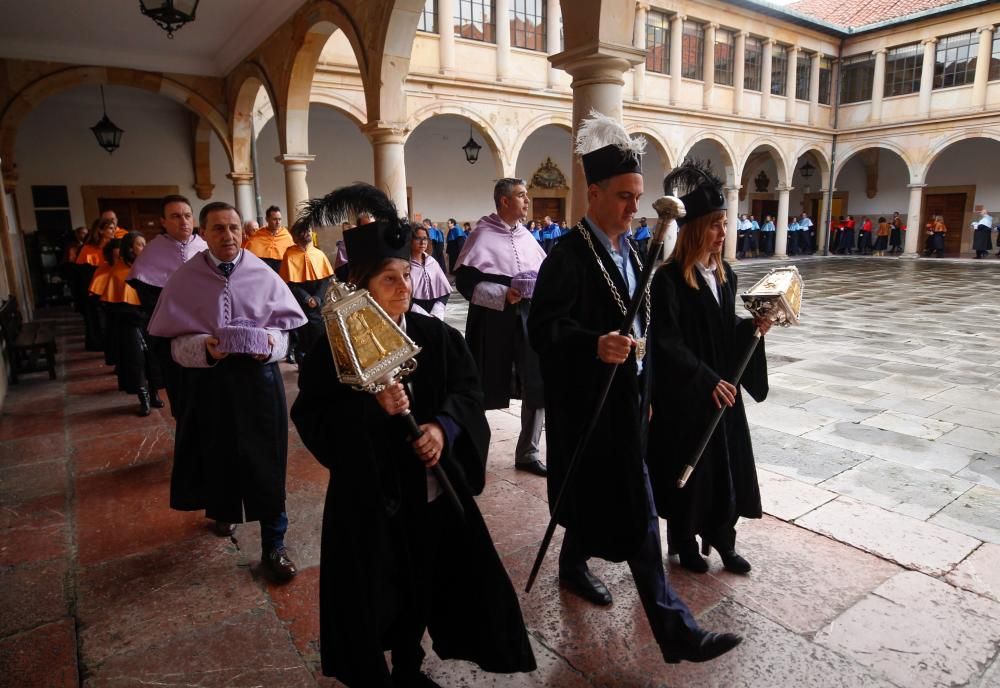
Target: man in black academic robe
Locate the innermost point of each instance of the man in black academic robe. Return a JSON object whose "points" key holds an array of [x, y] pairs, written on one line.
{"points": [[380, 535], [580, 299]]}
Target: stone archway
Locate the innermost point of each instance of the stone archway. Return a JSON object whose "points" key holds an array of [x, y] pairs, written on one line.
{"points": [[545, 161]]}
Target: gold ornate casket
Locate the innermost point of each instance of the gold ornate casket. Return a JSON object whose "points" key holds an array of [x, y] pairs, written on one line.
{"points": [[778, 296], [369, 349]]}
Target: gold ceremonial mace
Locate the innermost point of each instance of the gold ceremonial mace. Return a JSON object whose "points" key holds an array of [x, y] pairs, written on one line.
{"points": [[778, 297], [668, 208], [371, 352]]}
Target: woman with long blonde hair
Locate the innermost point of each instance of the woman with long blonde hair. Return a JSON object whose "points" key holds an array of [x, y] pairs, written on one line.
{"points": [[697, 339]]}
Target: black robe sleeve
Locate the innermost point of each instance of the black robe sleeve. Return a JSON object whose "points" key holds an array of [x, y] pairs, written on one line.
{"points": [[466, 279]]}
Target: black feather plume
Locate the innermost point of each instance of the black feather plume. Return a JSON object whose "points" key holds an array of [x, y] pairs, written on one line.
{"points": [[688, 176], [345, 204]]}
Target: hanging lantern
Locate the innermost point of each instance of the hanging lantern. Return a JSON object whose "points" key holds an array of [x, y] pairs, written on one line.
{"points": [[807, 170], [471, 149], [109, 136], [169, 15]]}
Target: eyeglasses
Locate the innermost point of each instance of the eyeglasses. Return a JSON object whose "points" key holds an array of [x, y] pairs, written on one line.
{"points": [[421, 239]]}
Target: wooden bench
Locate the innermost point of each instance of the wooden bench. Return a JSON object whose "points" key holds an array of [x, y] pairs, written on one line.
{"points": [[31, 347]]}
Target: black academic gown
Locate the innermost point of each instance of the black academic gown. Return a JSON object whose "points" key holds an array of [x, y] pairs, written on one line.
{"points": [[237, 474], [137, 366], [314, 329], [163, 369], [92, 332], [374, 563], [695, 342], [507, 365], [606, 505]]}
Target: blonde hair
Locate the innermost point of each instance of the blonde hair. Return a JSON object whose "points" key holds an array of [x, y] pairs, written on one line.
{"points": [[691, 240]]}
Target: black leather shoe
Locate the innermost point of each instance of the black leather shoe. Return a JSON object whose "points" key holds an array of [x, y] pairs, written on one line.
{"points": [[701, 646], [143, 403], [586, 585], [224, 529], [734, 562], [690, 559], [413, 680], [154, 399], [279, 565], [536, 467]]}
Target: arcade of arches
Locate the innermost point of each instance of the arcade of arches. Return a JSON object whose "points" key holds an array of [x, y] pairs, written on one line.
{"points": [[357, 90]]}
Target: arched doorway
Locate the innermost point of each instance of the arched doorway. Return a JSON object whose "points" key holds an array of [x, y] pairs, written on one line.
{"points": [[873, 182], [545, 161], [958, 179], [441, 184]]}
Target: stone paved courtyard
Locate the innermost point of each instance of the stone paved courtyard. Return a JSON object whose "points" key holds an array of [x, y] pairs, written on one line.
{"points": [[877, 563]]}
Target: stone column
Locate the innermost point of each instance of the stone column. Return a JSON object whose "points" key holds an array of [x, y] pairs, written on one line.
{"points": [[767, 51], [502, 21], [914, 224], [982, 67], [791, 70], [553, 14], [927, 76], [878, 85], [814, 65], [446, 34], [597, 70], [676, 42], [708, 64], [739, 71], [296, 189], [781, 236], [390, 167], [822, 226], [639, 43], [732, 220], [243, 193]]}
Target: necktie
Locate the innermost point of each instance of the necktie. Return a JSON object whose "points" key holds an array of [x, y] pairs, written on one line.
{"points": [[227, 268]]}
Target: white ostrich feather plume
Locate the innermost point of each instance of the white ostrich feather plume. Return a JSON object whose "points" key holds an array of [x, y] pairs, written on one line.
{"points": [[599, 130]]}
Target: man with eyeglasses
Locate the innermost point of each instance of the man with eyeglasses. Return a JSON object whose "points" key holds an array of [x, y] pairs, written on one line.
{"points": [[496, 271]]}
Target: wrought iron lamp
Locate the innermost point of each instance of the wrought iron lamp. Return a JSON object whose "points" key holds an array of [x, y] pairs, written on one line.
{"points": [[109, 135], [169, 15], [471, 149], [807, 170]]}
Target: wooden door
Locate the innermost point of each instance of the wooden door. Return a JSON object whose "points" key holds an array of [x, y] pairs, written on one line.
{"points": [[553, 207], [762, 207], [138, 214], [951, 206]]}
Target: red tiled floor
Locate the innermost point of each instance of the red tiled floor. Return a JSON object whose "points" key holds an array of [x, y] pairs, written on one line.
{"points": [[33, 531], [140, 602], [250, 649], [127, 511], [44, 657], [297, 605], [17, 424], [147, 443], [27, 482], [32, 594], [104, 421], [36, 449]]}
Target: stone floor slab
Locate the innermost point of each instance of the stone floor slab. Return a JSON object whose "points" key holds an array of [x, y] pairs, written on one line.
{"points": [[792, 421], [975, 513], [804, 460], [913, 407], [769, 657], [44, 657], [970, 417], [213, 656], [35, 449], [552, 670], [918, 632], [915, 544], [31, 595], [894, 446], [898, 487], [787, 498], [969, 397], [980, 572], [974, 438], [915, 426], [845, 392], [983, 469], [145, 444], [908, 385], [33, 531], [840, 409]]}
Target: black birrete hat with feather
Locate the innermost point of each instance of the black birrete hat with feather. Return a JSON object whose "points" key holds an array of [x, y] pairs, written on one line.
{"points": [[367, 245], [698, 188]]}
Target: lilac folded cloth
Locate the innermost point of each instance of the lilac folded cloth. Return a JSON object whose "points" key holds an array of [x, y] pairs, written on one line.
{"points": [[242, 336], [524, 282]]}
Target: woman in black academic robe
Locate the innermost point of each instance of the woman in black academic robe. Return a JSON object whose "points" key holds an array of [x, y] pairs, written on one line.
{"points": [[394, 563], [697, 342]]}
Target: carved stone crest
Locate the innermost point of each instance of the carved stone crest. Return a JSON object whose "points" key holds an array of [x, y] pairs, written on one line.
{"points": [[548, 176]]}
